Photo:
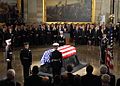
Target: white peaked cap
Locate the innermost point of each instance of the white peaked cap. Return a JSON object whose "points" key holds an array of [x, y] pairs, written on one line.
{"points": [[8, 41], [55, 44]]}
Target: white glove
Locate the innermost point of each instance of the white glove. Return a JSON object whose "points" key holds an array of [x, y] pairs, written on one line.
{"points": [[7, 60]]}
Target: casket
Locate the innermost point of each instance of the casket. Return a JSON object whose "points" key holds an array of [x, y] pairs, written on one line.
{"points": [[70, 57]]}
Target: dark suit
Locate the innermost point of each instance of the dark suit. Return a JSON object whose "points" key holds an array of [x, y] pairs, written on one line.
{"points": [[112, 79], [33, 80], [118, 36], [8, 82], [72, 80], [36, 37], [90, 36], [56, 62], [54, 35], [84, 37], [26, 60], [118, 82], [1, 37], [95, 37], [48, 37], [90, 80], [77, 37]]}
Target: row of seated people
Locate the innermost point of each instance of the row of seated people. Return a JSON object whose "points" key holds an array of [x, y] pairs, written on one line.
{"points": [[46, 34], [67, 79]]}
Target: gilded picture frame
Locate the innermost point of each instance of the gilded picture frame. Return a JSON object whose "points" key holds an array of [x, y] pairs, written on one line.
{"points": [[77, 11]]}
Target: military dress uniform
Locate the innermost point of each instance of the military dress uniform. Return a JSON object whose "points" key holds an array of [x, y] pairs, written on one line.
{"points": [[8, 53], [61, 40], [26, 61], [56, 62], [103, 46]]}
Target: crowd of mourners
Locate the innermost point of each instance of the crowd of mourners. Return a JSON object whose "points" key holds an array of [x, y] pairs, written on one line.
{"points": [[67, 79], [46, 34]]}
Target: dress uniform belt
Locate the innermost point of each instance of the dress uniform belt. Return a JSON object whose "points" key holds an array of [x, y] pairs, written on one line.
{"points": [[55, 60], [26, 58], [61, 41]]}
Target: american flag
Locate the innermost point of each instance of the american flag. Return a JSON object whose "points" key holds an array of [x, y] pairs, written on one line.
{"points": [[109, 50], [66, 50], [111, 39], [109, 59]]}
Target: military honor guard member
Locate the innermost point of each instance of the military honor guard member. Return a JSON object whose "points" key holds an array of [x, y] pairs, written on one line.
{"points": [[61, 39], [56, 60], [8, 54], [26, 59], [103, 46]]}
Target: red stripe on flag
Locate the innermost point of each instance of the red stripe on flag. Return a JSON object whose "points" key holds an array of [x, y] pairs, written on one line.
{"points": [[68, 55], [63, 47], [109, 58], [67, 50]]}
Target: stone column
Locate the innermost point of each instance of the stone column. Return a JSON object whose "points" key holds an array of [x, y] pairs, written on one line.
{"points": [[39, 11], [32, 11], [26, 11], [117, 11], [19, 6], [102, 8]]}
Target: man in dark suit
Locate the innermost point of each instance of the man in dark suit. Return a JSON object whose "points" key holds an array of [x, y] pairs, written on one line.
{"points": [[34, 79], [10, 79], [90, 79], [77, 35], [69, 79], [56, 60], [26, 59], [118, 82], [105, 70]]}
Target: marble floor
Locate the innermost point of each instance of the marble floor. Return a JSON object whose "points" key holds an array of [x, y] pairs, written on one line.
{"points": [[85, 53]]}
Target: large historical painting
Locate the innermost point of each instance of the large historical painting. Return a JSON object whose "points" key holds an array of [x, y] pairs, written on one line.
{"points": [[69, 10]]}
